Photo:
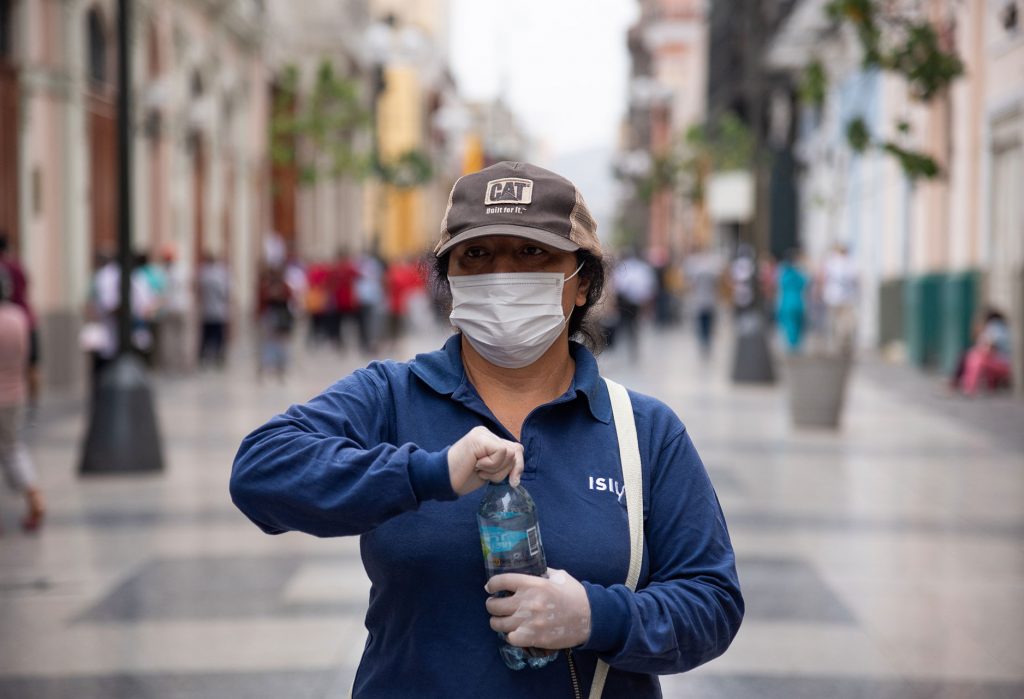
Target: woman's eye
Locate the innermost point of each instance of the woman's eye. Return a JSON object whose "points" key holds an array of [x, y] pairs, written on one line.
{"points": [[532, 250], [474, 252]]}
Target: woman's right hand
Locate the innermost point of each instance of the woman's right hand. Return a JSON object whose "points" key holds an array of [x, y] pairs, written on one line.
{"points": [[483, 457]]}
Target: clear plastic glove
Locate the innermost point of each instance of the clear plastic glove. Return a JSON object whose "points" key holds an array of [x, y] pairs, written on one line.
{"points": [[483, 457], [551, 612]]}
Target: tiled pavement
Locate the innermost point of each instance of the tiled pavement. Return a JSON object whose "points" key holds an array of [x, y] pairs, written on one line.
{"points": [[885, 560]]}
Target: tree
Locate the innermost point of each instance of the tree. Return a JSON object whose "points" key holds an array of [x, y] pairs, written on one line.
{"points": [[898, 42], [325, 125], [719, 146]]}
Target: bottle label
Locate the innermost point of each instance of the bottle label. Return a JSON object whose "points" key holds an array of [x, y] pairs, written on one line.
{"points": [[497, 540], [512, 550]]}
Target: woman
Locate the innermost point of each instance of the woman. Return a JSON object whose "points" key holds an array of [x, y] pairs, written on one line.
{"points": [[792, 311], [15, 461], [397, 453], [987, 362], [276, 321]]}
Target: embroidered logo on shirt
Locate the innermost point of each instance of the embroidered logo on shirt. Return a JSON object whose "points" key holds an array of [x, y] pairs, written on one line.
{"points": [[609, 485]]}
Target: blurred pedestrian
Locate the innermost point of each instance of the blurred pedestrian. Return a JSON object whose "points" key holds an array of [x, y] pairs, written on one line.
{"points": [[150, 278], [791, 311], [15, 460], [10, 264], [318, 303], [635, 286], [369, 291], [743, 279], [403, 280], [987, 362], [276, 321], [173, 336], [768, 279], [840, 284], [98, 336], [669, 290], [214, 310], [346, 307], [704, 278]]}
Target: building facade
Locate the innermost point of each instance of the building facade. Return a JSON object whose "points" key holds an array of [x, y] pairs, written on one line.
{"points": [[198, 124], [932, 253], [668, 95]]}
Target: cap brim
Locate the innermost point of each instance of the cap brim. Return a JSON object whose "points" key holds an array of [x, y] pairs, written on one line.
{"points": [[559, 242]]}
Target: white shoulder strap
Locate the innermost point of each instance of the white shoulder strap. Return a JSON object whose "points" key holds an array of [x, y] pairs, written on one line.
{"points": [[629, 455]]}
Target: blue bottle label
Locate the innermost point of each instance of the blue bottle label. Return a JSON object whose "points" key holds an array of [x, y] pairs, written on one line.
{"points": [[496, 540]]}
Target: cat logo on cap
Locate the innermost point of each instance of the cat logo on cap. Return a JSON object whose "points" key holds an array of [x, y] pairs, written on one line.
{"points": [[509, 190]]}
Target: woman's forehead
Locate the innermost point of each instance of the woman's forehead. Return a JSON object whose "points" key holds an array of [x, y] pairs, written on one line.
{"points": [[494, 242]]}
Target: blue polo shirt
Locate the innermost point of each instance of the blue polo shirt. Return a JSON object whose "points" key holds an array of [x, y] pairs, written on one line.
{"points": [[368, 457]]}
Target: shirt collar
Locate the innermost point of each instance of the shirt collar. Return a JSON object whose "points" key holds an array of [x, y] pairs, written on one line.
{"points": [[443, 372]]}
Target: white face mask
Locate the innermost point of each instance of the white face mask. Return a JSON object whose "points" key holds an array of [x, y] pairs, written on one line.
{"points": [[510, 319]]}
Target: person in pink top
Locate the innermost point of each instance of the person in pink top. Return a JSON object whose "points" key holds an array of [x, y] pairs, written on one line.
{"points": [[14, 365]]}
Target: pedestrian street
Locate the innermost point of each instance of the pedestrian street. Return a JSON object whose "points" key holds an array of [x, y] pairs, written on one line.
{"points": [[884, 560]]}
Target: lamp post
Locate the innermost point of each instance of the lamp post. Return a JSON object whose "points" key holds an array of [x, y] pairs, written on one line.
{"points": [[123, 435]]}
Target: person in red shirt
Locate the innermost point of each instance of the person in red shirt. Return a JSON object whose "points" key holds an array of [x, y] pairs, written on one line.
{"points": [[346, 306], [403, 279]]}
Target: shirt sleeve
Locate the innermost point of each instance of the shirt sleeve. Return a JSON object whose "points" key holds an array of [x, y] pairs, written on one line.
{"points": [[326, 467], [691, 607]]}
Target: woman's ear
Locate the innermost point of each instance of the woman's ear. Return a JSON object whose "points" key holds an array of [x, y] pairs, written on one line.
{"points": [[582, 289]]}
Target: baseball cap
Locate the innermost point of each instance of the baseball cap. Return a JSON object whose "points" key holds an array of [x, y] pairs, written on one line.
{"points": [[522, 200]]}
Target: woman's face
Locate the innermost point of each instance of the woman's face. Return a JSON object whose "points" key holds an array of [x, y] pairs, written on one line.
{"points": [[505, 253]]}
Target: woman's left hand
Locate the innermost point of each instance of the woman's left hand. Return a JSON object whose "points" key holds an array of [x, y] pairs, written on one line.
{"points": [[551, 612]]}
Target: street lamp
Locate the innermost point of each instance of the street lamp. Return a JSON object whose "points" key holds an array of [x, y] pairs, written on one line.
{"points": [[123, 435]]}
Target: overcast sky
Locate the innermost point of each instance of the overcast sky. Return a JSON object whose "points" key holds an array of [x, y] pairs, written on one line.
{"points": [[560, 64]]}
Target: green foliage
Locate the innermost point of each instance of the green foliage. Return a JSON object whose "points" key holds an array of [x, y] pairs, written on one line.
{"points": [[814, 84], [412, 169], [724, 145], [328, 121], [928, 68], [858, 135], [907, 46], [915, 165]]}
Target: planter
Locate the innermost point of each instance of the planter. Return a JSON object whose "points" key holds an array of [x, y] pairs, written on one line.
{"points": [[817, 386]]}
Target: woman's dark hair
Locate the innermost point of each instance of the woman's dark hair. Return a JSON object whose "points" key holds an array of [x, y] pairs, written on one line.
{"points": [[994, 314], [582, 326]]}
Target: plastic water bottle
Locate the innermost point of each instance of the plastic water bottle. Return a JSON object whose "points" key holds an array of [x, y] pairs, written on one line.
{"points": [[510, 538]]}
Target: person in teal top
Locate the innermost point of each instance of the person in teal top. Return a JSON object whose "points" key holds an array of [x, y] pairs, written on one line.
{"points": [[792, 311]]}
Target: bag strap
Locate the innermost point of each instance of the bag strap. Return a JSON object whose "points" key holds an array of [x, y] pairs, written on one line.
{"points": [[629, 455]]}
